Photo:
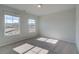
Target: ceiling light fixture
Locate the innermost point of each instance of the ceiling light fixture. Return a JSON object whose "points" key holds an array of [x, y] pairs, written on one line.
{"points": [[39, 5]]}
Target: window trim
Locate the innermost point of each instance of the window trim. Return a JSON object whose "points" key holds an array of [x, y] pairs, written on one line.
{"points": [[17, 23]]}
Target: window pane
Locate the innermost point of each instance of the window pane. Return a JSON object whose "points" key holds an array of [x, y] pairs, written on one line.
{"points": [[8, 19], [15, 19], [32, 25], [31, 21]]}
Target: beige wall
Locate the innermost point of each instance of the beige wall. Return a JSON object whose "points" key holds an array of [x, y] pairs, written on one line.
{"points": [[77, 26], [60, 25]]}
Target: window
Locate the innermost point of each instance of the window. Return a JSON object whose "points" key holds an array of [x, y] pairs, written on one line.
{"points": [[12, 26], [32, 25]]}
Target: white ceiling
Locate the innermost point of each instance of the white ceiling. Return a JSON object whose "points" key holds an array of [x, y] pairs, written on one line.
{"points": [[46, 8]]}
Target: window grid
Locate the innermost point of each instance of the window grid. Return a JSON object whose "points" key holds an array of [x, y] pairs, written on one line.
{"points": [[32, 25]]}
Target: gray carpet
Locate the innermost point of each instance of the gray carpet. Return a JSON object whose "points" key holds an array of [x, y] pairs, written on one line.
{"points": [[61, 47]]}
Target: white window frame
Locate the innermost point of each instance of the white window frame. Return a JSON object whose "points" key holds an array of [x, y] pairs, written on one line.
{"points": [[18, 24]]}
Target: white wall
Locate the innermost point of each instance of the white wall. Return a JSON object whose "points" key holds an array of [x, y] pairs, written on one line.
{"points": [[77, 26], [23, 25], [60, 25]]}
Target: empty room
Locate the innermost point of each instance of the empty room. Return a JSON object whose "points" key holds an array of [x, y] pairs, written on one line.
{"points": [[39, 29]]}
